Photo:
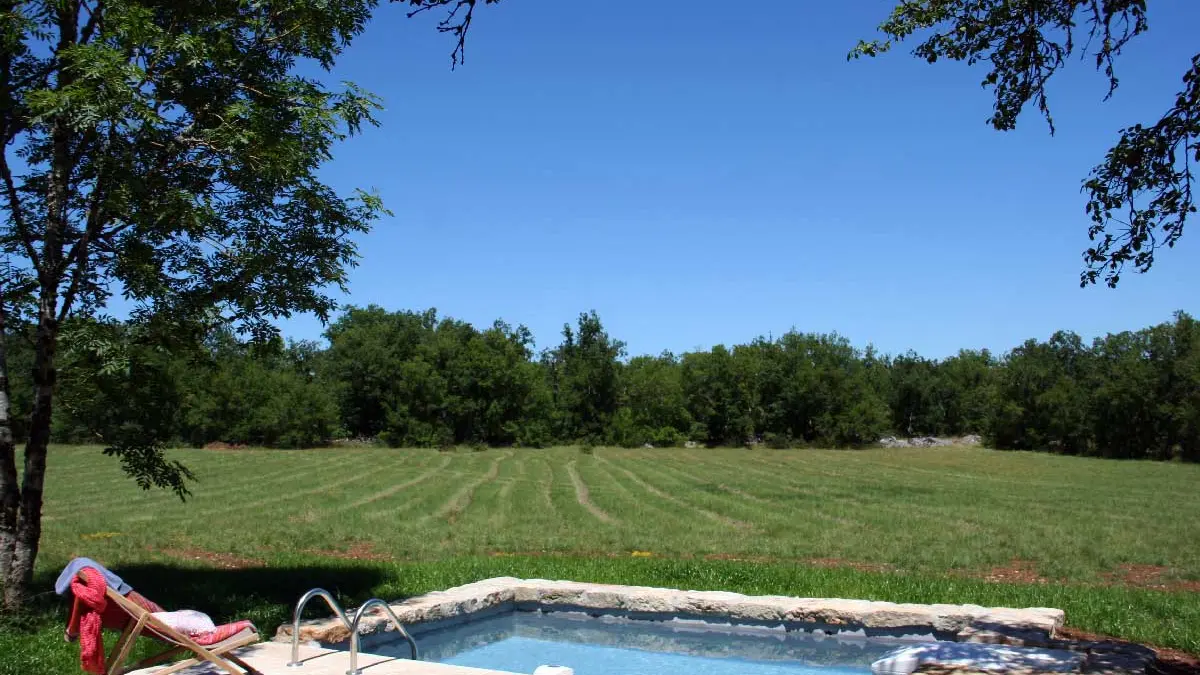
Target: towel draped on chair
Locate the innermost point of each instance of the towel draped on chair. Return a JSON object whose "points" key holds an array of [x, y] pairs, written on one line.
{"points": [[91, 593], [94, 610]]}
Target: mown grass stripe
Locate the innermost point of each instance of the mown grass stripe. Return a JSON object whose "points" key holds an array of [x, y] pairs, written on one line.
{"points": [[773, 482], [688, 504], [424, 500], [546, 482], [624, 501], [161, 501], [500, 513], [581, 495], [462, 499], [284, 498], [398, 487]]}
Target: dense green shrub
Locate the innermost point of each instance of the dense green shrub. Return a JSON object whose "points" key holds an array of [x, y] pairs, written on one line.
{"points": [[777, 441], [583, 376], [266, 395], [413, 379]]}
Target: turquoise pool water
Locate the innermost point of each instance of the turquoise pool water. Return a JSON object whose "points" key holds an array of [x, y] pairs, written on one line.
{"points": [[522, 655], [519, 642]]}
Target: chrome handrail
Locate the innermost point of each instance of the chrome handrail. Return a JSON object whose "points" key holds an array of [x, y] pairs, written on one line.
{"points": [[354, 669], [337, 609]]}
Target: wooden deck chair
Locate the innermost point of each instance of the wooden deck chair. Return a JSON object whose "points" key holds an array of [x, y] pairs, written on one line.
{"points": [[134, 619]]}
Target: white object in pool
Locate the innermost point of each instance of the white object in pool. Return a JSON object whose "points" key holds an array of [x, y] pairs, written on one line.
{"points": [[980, 657], [553, 670]]}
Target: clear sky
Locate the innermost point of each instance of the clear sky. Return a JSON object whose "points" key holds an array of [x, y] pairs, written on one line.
{"points": [[701, 174]]}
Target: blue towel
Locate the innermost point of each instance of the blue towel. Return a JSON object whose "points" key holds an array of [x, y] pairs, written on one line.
{"points": [[64, 580]]}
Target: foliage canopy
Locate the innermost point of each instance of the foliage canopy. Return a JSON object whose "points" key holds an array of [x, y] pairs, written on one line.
{"points": [[419, 379], [1140, 195], [165, 152]]}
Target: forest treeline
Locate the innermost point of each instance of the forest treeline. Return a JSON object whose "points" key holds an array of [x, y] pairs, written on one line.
{"points": [[416, 379]]}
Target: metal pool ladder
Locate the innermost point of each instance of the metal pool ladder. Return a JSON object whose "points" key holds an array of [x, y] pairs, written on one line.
{"points": [[351, 625], [354, 669]]}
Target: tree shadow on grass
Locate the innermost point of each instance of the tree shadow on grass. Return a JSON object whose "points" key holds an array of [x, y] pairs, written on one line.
{"points": [[265, 595]]}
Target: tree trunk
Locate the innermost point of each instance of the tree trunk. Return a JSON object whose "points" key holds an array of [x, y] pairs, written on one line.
{"points": [[29, 522], [29, 518], [10, 493], [50, 274]]}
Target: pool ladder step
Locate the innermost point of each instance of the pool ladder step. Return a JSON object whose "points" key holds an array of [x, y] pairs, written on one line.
{"points": [[351, 625]]}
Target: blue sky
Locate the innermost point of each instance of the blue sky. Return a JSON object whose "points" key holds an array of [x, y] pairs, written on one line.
{"points": [[699, 174]]}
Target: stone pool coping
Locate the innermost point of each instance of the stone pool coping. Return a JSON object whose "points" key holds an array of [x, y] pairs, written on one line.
{"points": [[1033, 626]]}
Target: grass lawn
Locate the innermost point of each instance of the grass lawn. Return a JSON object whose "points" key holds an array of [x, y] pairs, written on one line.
{"points": [[1115, 544]]}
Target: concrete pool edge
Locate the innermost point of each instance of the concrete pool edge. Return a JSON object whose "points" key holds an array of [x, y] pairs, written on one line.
{"points": [[1033, 627], [966, 623]]}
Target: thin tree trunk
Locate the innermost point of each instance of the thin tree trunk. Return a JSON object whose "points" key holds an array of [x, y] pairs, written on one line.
{"points": [[50, 275], [10, 492], [29, 520], [29, 523]]}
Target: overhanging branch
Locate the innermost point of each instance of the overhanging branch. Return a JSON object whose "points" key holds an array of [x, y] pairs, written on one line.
{"points": [[18, 216], [453, 23]]}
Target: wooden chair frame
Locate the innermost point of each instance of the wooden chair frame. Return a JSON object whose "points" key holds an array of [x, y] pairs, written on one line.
{"points": [[141, 621]]}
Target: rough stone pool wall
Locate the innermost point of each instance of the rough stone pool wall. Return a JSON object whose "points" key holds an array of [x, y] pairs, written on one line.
{"points": [[952, 622]]}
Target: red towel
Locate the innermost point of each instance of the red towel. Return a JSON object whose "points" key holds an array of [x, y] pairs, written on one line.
{"points": [[91, 593], [92, 612]]}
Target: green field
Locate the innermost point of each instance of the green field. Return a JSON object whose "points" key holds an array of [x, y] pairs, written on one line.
{"points": [[1116, 544]]}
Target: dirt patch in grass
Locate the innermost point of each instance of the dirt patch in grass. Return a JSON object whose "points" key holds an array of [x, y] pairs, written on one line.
{"points": [[560, 554], [733, 557], [829, 563], [1149, 576], [220, 445], [1017, 571], [722, 557], [1154, 577], [1169, 661], [223, 560], [362, 550], [851, 564]]}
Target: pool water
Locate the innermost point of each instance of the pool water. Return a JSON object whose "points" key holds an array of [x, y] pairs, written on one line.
{"points": [[519, 642], [522, 655]]}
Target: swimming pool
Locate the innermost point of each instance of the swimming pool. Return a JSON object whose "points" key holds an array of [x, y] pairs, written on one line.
{"points": [[516, 625], [519, 642]]}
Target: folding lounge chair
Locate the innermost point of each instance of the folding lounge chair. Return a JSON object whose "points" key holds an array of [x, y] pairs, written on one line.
{"points": [[133, 616]]}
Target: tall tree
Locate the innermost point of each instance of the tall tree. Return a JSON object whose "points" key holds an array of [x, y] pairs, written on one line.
{"points": [[720, 392], [1140, 195], [166, 151], [369, 351], [584, 374], [967, 381], [652, 402]]}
